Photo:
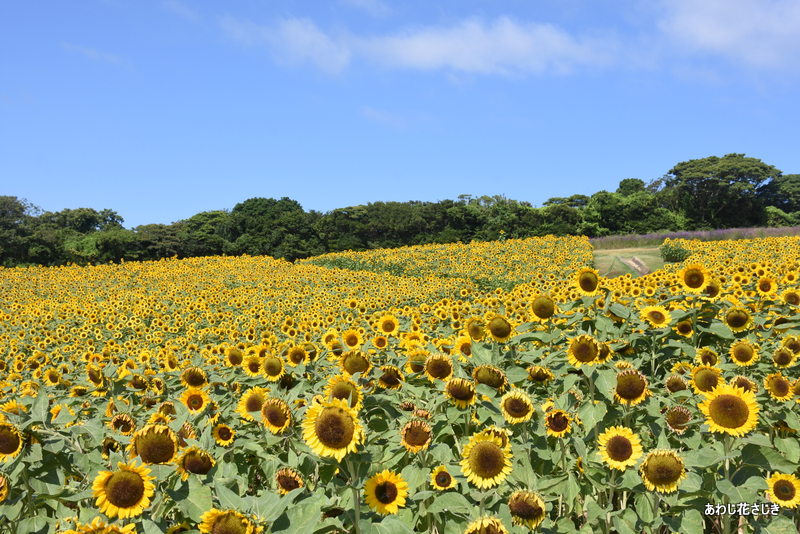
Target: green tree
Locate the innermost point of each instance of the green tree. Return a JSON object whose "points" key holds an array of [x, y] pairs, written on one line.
{"points": [[630, 186], [279, 228], [783, 192]]}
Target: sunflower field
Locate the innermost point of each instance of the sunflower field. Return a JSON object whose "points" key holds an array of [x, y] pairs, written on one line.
{"points": [[480, 388]]}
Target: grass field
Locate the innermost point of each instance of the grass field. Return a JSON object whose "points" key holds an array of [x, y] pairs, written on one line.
{"points": [[620, 261]]}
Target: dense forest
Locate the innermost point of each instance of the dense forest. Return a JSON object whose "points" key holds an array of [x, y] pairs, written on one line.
{"points": [[716, 192]]}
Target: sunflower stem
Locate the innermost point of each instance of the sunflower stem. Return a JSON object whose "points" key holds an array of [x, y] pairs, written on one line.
{"points": [[356, 495], [726, 519]]}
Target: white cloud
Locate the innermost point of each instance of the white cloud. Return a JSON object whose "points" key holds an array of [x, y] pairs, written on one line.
{"points": [[93, 53], [383, 117], [759, 33], [472, 46], [376, 8], [182, 10]]}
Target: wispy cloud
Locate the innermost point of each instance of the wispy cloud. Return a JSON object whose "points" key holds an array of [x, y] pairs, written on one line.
{"points": [[376, 8], [182, 10], [503, 46], [93, 54], [383, 117], [758, 33]]}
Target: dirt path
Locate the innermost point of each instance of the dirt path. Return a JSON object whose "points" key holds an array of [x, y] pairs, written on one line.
{"points": [[634, 261]]}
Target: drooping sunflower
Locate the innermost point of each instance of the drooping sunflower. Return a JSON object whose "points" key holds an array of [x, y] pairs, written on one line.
{"points": [[499, 328], [461, 391], [662, 471], [196, 400], [331, 428], [276, 415], [631, 387], [123, 423], [587, 281], [438, 367], [516, 407], [386, 492], [194, 461], [441, 479], [619, 447], [543, 307], [486, 525], [675, 383], [583, 350], [489, 375], [677, 419], [778, 386], [391, 377], [228, 521], [3, 488], [154, 444], [341, 387], [416, 436], [705, 378], [738, 319], [125, 492], [250, 403], [694, 278], [540, 375], [223, 434], [730, 410], [527, 508], [288, 479], [744, 353], [558, 423], [657, 316], [485, 461], [784, 490], [476, 328]]}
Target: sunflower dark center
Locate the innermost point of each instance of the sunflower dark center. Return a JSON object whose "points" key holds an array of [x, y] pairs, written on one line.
{"points": [[254, 403], [525, 508], [438, 368], [386, 492], [737, 318], [235, 357], [475, 329], [782, 356], [288, 482], [708, 358], [123, 424], [729, 411], [663, 470], [9, 441], [155, 447], [273, 366], [694, 278], [194, 378], [517, 407], [779, 386], [486, 459], [351, 340], [588, 282], [224, 433], [499, 327], [197, 463], [557, 422], [390, 377], [334, 428], [195, 401], [297, 356], [675, 383], [792, 298], [784, 490], [543, 307], [765, 285], [706, 380], [253, 365], [443, 479], [630, 386], [417, 435], [743, 353], [355, 363], [684, 327], [619, 448], [656, 316], [345, 391], [489, 376], [229, 524], [388, 326], [584, 351], [124, 489], [677, 418], [460, 390], [276, 416]]}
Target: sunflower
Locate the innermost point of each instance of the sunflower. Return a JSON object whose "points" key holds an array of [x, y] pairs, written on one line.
{"points": [[587, 281], [276, 415], [154, 444], [10, 442], [3, 488], [619, 447], [253, 365], [223, 435], [194, 460], [730, 410], [516, 407], [391, 377], [783, 357], [98, 526], [486, 525], [694, 278], [352, 338], [527, 508], [438, 367], [227, 521], [297, 355], [767, 287], [706, 356], [194, 377], [675, 383], [272, 368], [388, 325], [416, 436], [784, 490], [677, 419], [539, 374], [441, 479], [341, 387], [791, 297], [705, 378], [744, 383], [583, 350], [251, 402], [461, 391], [123, 423], [288, 480], [125, 492], [778, 386], [196, 400], [631, 387], [558, 423], [657, 316], [499, 328], [355, 362], [738, 319], [177, 528], [489, 375], [662, 471], [331, 428], [386, 492], [476, 329], [486, 462], [684, 328], [543, 307], [744, 353], [233, 357]]}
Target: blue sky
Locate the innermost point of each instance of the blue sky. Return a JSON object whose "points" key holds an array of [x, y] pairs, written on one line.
{"points": [[162, 109]]}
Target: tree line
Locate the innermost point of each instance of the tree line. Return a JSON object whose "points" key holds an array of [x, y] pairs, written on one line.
{"points": [[733, 191]]}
